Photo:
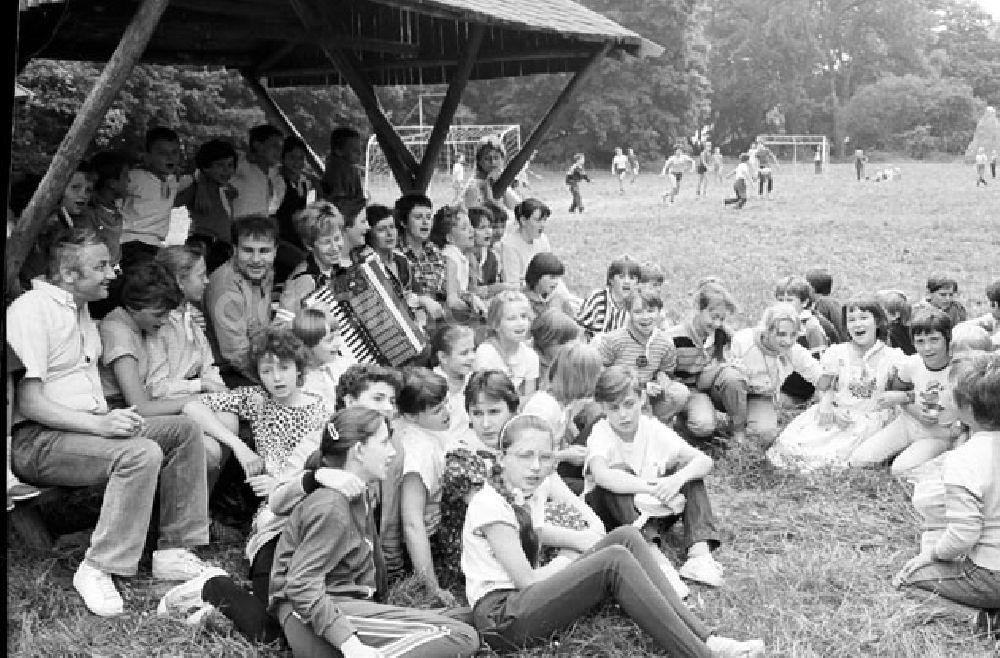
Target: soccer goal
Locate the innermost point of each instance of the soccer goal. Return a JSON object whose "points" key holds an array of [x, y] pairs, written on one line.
{"points": [[798, 149], [380, 186]]}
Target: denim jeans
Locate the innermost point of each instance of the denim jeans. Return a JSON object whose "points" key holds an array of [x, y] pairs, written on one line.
{"points": [[964, 582], [574, 190], [725, 389], [170, 450], [616, 510], [620, 568]]}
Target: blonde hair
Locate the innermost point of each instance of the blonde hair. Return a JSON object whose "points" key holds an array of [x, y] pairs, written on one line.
{"points": [[967, 337], [317, 219], [505, 297], [574, 372], [777, 313], [519, 423]]}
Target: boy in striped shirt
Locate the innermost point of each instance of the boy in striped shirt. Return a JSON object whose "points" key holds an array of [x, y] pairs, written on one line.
{"points": [[605, 310], [702, 344], [643, 347]]}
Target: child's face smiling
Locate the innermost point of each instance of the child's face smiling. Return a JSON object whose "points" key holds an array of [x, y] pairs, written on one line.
{"points": [[327, 249], [459, 360], [515, 322], [220, 171], [77, 194], [932, 348], [623, 284], [862, 327], [643, 318]]}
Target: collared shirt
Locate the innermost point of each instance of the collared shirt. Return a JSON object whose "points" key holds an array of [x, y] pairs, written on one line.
{"points": [[427, 270], [237, 309], [121, 336], [259, 192], [59, 344], [180, 357], [647, 357], [146, 211], [600, 314]]}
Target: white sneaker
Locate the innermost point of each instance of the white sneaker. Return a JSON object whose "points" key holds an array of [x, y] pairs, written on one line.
{"points": [[724, 647], [98, 591], [177, 564], [703, 569], [186, 597]]}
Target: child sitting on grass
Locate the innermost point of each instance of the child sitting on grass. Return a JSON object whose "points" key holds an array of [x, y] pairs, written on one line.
{"points": [[825, 305], [631, 454], [942, 293], [928, 421], [702, 344], [796, 291], [542, 284], [509, 319], [898, 311], [641, 345], [991, 321], [549, 332], [605, 309], [960, 558], [517, 604]]}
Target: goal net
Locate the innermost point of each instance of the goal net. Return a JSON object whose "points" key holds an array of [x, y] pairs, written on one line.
{"points": [[381, 187], [798, 151]]}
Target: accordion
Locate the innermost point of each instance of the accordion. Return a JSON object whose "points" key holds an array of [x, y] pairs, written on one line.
{"points": [[374, 322]]}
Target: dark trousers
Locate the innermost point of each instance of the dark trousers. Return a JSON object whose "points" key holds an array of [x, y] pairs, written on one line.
{"points": [[616, 510], [765, 179], [859, 168], [574, 189], [740, 187], [622, 568], [993, 169], [247, 611]]}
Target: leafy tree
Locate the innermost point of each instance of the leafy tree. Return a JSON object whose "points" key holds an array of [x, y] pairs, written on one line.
{"points": [[966, 46]]}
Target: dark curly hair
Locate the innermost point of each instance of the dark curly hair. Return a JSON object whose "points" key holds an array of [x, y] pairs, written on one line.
{"points": [[281, 343]]}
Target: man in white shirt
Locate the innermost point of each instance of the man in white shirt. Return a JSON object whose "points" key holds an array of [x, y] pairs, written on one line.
{"points": [[65, 435], [259, 184]]}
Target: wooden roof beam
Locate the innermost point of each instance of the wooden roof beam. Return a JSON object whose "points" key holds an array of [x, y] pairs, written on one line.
{"points": [[276, 114], [449, 106], [515, 164], [46, 198], [401, 161]]}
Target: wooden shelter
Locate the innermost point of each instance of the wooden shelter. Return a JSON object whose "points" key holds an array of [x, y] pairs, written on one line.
{"points": [[360, 43]]}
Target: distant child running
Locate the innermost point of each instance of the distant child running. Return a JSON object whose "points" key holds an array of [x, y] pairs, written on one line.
{"points": [[717, 162], [675, 166], [633, 164], [981, 160], [576, 174], [743, 178], [619, 167]]}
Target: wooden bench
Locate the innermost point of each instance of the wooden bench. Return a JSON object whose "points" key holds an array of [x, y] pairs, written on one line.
{"points": [[27, 521]]}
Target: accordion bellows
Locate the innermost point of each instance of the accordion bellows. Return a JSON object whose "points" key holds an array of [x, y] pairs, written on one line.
{"points": [[374, 322]]}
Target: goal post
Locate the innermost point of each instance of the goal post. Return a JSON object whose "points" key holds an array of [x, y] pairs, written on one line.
{"points": [[798, 148], [461, 140]]}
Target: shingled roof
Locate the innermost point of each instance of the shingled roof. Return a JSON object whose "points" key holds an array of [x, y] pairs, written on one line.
{"points": [[394, 41]]}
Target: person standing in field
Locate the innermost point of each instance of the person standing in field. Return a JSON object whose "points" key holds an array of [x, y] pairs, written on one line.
{"points": [[458, 176], [765, 175], [703, 162], [859, 163], [574, 176], [633, 164], [717, 162], [981, 160], [818, 160], [675, 165], [743, 178], [619, 167], [993, 163]]}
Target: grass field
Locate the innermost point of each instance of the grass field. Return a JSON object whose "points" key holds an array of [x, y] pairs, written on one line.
{"points": [[808, 558]]}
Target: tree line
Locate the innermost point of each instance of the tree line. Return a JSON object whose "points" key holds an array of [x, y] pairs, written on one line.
{"points": [[902, 75]]}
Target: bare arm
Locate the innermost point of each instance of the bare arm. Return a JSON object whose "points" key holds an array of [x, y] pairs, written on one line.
{"points": [[39, 407], [413, 499], [506, 545], [126, 370], [616, 480]]}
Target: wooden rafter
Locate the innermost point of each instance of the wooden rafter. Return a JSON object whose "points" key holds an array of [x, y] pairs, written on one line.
{"points": [[276, 114], [515, 164], [46, 198], [399, 158], [449, 106]]}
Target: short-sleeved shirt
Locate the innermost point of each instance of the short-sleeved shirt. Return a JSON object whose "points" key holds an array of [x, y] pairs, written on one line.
{"points": [[516, 253], [694, 352], [259, 192], [59, 344], [654, 451], [277, 428], [146, 210], [424, 455], [600, 314], [765, 370], [521, 366], [620, 163], [121, 336], [932, 389], [622, 347], [483, 572]]}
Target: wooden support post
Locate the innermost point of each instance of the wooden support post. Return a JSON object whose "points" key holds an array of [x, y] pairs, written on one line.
{"points": [[43, 203], [278, 115], [400, 160], [515, 164], [449, 106]]}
